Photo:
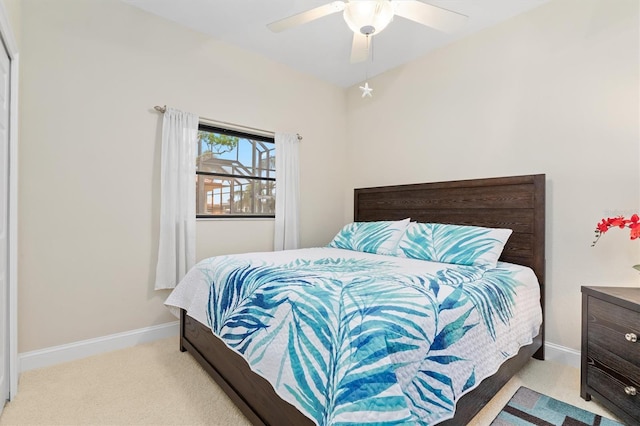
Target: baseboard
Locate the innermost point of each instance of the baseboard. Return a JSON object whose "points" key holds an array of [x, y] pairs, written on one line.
{"points": [[562, 355], [72, 351], [82, 349]]}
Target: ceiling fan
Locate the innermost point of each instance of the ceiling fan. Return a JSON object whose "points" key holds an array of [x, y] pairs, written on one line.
{"points": [[368, 17]]}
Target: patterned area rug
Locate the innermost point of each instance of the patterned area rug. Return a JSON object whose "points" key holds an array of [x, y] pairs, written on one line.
{"points": [[528, 407]]}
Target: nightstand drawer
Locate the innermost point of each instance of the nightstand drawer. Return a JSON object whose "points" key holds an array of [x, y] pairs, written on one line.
{"points": [[613, 390], [608, 327], [605, 359]]}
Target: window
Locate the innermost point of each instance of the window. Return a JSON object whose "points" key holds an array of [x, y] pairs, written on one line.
{"points": [[235, 174]]}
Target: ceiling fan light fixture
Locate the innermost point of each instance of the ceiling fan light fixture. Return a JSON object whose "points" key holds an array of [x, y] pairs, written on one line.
{"points": [[368, 16]]}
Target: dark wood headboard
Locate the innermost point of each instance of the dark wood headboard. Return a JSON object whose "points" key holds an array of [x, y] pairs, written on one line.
{"points": [[515, 202]]}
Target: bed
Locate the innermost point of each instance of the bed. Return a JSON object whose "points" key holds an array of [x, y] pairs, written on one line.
{"points": [[516, 203]]}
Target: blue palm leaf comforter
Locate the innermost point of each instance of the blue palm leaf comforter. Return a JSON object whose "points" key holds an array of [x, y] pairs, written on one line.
{"points": [[352, 338]]}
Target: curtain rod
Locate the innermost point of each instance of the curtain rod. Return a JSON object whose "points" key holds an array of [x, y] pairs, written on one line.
{"points": [[162, 109]]}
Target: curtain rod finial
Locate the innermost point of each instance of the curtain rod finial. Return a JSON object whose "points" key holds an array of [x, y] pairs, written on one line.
{"points": [[160, 109]]}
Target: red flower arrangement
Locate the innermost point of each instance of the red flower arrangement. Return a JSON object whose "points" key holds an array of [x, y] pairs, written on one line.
{"points": [[633, 223]]}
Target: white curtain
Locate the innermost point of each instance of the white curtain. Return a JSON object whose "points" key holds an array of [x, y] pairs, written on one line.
{"points": [[287, 192], [177, 248]]}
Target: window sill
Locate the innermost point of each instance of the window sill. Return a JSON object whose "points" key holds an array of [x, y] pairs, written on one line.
{"points": [[234, 219]]}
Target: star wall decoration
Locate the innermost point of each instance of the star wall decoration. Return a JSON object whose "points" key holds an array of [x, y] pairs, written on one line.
{"points": [[366, 90]]}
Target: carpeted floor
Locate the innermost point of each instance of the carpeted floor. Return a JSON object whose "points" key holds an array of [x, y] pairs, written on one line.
{"points": [[156, 384]]}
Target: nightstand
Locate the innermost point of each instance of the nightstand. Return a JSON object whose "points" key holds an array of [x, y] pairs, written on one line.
{"points": [[610, 369]]}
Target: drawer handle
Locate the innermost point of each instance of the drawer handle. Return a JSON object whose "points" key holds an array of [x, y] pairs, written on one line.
{"points": [[630, 390], [632, 337]]}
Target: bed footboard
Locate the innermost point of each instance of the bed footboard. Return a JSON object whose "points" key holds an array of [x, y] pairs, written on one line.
{"points": [[257, 400], [251, 393]]}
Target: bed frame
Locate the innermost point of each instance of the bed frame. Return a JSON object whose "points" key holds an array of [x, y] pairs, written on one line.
{"points": [[516, 202]]}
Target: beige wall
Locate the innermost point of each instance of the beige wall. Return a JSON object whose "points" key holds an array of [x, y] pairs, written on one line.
{"points": [[89, 158], [552, 91]]}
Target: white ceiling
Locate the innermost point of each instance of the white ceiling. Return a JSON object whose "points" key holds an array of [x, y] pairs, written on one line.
{"points": [[322, 48]]}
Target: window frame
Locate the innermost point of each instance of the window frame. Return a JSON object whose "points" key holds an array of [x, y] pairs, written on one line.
{"points": [[243, 135]]}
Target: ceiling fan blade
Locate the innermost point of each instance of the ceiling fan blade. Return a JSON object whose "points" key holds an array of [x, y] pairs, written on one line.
{"points": [[308, 16], [429, 15], [359, 48]]}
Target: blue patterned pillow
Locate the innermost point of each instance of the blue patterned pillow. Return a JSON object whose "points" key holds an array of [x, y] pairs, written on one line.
{"points": [[462, 245], [371, 237]]}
